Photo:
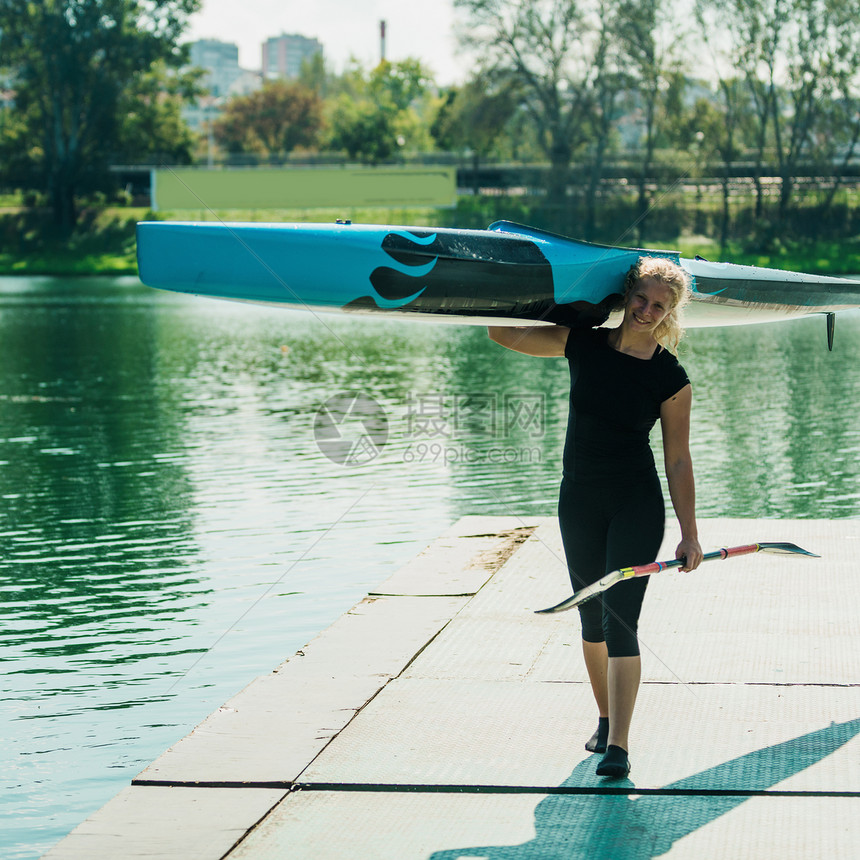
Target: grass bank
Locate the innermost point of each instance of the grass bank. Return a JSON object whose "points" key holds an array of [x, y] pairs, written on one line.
{"points": [[104, 243], [816, 257]]}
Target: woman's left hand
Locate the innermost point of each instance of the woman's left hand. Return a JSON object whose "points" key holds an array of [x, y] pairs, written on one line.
{"points": [[690, 550]]}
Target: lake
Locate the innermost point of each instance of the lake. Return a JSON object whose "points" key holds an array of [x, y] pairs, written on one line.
{"points": [[192, 489]]}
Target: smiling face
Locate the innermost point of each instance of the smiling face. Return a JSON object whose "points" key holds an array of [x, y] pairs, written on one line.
{"points": [[648, 304]]}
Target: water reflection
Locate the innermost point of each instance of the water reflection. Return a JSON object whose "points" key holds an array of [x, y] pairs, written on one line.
{"points": [[774, 431], [170, 528]]}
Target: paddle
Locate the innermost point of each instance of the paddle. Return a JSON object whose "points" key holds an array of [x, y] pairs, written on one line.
{"points": [[645, 569]]}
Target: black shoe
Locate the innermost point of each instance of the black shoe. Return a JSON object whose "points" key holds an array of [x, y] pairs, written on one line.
{"points": [[597, 742], [615, 763]]}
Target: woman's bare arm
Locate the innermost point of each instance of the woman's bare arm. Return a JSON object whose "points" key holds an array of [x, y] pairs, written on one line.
{"points": [[675, 424], [546, 341]]}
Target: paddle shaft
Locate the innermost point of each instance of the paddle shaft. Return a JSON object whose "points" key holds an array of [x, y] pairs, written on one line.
{"points": [[647, 569], [657, 566]]}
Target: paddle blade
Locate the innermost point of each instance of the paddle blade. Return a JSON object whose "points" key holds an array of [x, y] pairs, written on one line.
{"points": [[786, 549], [584, 593]]}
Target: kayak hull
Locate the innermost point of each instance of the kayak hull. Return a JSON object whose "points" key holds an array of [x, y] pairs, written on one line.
{"points": [[506, 275]]}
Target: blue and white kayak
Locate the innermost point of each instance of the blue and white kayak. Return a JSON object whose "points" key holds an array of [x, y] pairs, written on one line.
{"points": [[505, 275]]}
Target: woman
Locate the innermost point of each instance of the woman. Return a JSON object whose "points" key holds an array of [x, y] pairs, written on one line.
{"points": [[611, 509]]}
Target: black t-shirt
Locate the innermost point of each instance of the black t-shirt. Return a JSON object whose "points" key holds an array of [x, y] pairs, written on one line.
{"points": [[615, 400]]}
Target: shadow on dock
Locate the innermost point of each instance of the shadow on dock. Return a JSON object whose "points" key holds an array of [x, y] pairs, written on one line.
{"points": [[597, 819]]}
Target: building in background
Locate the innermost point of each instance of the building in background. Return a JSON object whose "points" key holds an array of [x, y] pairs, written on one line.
{"points": [[283, 55], [223, 80], [220, 60]]}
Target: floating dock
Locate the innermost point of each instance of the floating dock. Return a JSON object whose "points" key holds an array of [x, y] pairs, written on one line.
{"points": [[440, 718]]}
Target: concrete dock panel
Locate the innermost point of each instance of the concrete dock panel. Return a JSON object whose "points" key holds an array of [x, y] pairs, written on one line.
{"points": [[320, 825], [709, 738], [268, 732], [167, 823], [347, 825], [462, 559], [760, 618]]}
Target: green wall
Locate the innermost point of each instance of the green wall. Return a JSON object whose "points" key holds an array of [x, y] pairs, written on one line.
{"points": [[288, 188]]}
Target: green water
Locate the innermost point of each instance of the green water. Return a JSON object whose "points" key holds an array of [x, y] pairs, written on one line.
{"points": [[171, 528]]}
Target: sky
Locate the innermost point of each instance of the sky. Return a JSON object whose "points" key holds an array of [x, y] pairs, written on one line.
{"points": [[346, 28]]}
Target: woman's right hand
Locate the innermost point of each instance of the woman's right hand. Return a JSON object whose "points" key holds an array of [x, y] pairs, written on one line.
{"points": [[691, 551]]}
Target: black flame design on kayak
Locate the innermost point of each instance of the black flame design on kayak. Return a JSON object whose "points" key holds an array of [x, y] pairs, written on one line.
{"points": [[471, 274]]}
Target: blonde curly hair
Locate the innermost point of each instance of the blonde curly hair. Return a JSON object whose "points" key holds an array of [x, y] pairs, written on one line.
{"points": [[670, 331]]}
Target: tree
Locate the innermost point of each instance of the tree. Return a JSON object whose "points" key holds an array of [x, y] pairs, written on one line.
{"points": [[364, 130], [722, 129], [840, 140], [799, 60], [72, 63], [315, 75], [378, 114], [746, 44], [612, 79], [277, 119], [151, 127], [474, 116], [403, 85], [549, 47], [823, 50], [650, 66]]}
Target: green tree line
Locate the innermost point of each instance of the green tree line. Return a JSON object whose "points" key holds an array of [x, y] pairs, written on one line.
{"points": [[93, 80], [676, 89]]}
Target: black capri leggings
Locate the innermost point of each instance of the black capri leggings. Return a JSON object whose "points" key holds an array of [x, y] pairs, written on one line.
{"points": [[605, 527]]}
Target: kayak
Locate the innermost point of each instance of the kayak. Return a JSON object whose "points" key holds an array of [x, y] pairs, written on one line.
{"points": [[508, 274]]}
